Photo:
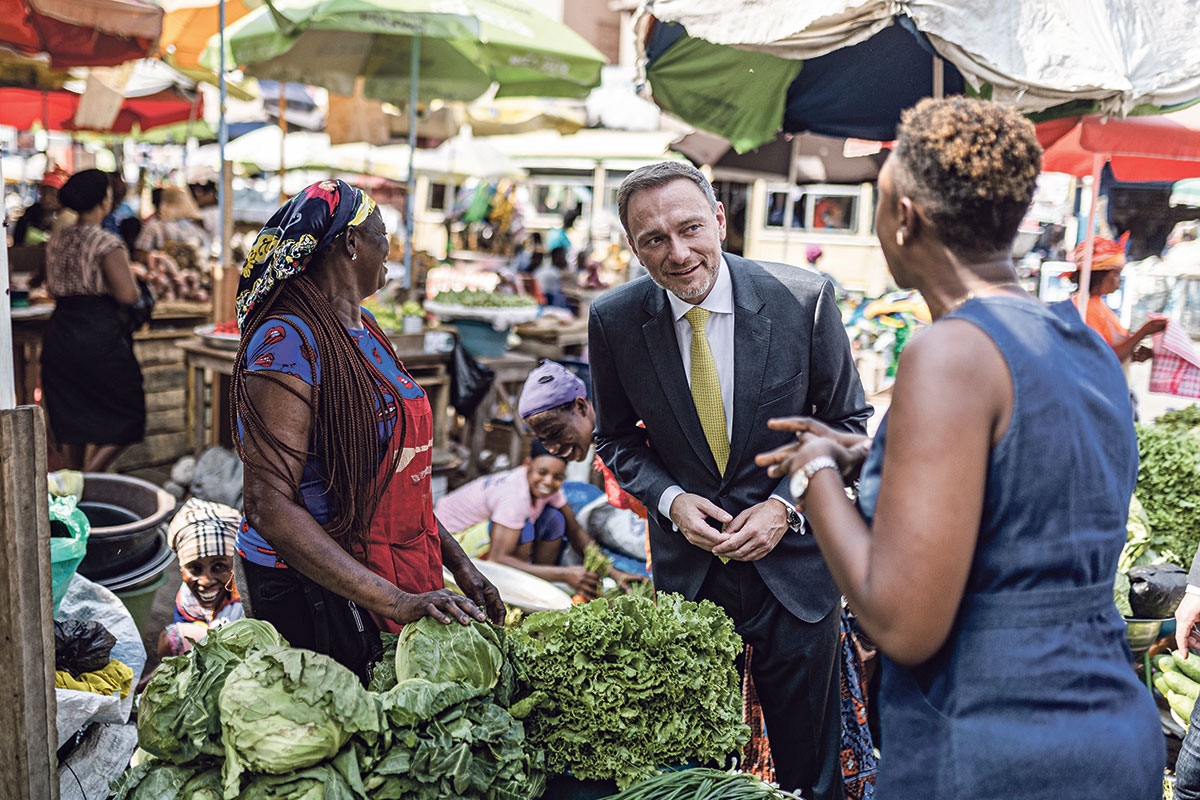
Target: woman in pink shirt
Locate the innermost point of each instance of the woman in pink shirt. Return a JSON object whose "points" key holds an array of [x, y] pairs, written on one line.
{"points": [[522, 519]]}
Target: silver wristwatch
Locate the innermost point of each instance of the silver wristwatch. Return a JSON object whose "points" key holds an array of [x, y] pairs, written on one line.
{"points": [[800, 480]]}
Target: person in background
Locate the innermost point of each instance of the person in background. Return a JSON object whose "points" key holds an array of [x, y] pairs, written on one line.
{"points": [[175, 229], [521, 518], [121, 210], [980, 558], [550, 277], [1108, 259], [205, 195], [37, 223], [702, 354], [91, 380], [338, 496], [201, 534]]}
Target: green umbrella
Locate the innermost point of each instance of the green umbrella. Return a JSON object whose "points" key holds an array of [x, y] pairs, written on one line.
{"points": [[419, 49]]}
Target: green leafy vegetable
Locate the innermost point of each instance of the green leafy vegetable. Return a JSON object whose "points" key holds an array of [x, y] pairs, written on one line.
{"points": [[384, 675], [337, 779], [472, 749], [700, 784], [474, 298], [1187, 418], [178, 718], [152, 780], [596, 562], [617, 688], [285, 709], [1168, 487], [439, 653], [1121, 594]]}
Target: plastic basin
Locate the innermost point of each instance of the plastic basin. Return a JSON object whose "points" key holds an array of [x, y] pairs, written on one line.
{"points": [[126, 514]]}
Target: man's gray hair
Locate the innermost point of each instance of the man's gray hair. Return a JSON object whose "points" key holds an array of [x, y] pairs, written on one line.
{"points": [[653, 176]]}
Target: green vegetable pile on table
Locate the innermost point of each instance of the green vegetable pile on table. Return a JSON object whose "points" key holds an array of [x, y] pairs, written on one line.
{"points": [[243, 715], [701, 784], [1168, 486], [474, 298], [1178, 681], [619, 687]]}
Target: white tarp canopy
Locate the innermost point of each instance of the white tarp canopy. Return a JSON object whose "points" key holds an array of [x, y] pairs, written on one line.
{"points": [[1035, 53]]}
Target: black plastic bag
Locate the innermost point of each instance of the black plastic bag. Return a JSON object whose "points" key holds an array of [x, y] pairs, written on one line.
{"points": [[469, 380], [1155, 590], [82, 646]]}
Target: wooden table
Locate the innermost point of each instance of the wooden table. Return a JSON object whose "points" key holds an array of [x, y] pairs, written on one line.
{"points": [[498, 409], [209, 369], [557, 343]]}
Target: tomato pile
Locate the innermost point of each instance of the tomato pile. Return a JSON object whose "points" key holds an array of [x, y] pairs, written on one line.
{"points": [[228, 328]]}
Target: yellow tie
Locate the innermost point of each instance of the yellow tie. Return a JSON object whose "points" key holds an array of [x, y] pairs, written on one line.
{"points": [[706, 389]]}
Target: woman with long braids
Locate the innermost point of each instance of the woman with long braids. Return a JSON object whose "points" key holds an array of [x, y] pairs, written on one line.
{"points": [[336, 439]]}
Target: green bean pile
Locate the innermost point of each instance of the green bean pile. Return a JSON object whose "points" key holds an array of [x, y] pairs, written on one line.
{"points": [[701, 784]]}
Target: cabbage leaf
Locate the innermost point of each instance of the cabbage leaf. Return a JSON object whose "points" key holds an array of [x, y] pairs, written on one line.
{"points": [[177, 712]]}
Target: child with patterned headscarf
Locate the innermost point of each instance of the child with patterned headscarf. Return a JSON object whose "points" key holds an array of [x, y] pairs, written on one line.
{"points": [[202, 536]]}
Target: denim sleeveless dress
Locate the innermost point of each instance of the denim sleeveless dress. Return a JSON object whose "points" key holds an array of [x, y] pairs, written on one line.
{"points": [[1033, 694]]}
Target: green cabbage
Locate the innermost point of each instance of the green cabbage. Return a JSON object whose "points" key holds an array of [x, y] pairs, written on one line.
{"points": [[155, 780], [472, 749], [469, 654], [177, 712], [337, 779], [286, 709], [616, 688]]}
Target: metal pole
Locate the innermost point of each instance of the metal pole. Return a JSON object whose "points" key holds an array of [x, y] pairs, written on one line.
{"points": [[1085, 269], [283, 195], [222, 140], [411, 196]]}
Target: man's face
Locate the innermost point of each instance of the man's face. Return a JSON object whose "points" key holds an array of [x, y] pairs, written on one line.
{"points": [[567, 433], [677, 237]]}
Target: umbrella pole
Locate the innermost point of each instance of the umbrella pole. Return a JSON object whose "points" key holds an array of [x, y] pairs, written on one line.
{"points": [[283, 195], [222, 140], [1085, 269], [790, 203], [410, 196]]}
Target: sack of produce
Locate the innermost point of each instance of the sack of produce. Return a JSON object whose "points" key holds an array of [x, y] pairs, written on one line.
{"points": [[1155, 590]]}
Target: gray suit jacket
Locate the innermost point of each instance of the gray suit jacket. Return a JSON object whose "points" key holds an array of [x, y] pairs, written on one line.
{"points": [[792, 358]]}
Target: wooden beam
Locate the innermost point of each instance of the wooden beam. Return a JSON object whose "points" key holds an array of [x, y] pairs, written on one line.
{"points": [[28, 765]]}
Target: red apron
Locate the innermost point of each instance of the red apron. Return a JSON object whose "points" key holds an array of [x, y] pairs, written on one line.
{"points": [[403, 543]]}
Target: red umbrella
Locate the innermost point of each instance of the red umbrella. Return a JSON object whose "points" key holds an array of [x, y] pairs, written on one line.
{"points": [[81, 33], [1163, 147], [20, 108]]}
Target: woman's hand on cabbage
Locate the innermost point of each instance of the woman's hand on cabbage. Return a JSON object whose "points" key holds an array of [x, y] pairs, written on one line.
{"points": [[442, 605]]}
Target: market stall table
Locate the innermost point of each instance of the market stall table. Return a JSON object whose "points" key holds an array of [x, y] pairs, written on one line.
{"points": [[209, 368]]}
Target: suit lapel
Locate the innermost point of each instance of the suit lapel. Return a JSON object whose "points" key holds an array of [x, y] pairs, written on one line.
{"points": [[659, 333], [751, 343]]}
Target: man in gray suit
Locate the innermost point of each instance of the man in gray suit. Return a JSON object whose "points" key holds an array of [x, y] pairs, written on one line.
{"points": [[771, 344]]}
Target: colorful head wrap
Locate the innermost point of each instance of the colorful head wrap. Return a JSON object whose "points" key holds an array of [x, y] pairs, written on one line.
{"points": [[1106, 254], [302, 226], [201, 529]]}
